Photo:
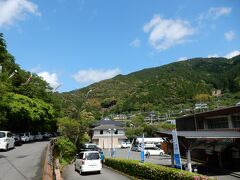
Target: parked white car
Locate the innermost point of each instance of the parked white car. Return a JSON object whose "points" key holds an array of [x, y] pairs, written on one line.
{"points": [[88, 161], [24, 137], [6, 140], [38, 136], [153, 151], [125, 145], [27, 136]]}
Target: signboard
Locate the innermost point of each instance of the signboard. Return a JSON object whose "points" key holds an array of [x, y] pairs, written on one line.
{"points": [[177, 157]]}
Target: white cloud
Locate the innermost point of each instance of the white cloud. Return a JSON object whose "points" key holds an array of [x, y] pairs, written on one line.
{"points": [[52, 79], [135, 43], [230, 35], [182, 59], [13, 10], [213, 55], [95, 75], [232, 54], [214, 13], [219, 11], [165, 33]]}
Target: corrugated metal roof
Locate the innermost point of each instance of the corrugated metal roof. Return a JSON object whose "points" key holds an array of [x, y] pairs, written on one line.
{"points": [[204, 134], [216, 112]]}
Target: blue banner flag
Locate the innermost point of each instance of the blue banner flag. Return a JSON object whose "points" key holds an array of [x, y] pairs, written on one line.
{"points": [[142, 149], [177, 157]]}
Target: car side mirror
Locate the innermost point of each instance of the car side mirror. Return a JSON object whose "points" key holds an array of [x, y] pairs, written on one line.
{"points": [[77, 156]]}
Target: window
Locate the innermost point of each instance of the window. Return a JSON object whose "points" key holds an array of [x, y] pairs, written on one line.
{"points": [[92, 156], [236, 120], [9, 134], [101, 131], [80, 156], [2, 134], [217, 123]]}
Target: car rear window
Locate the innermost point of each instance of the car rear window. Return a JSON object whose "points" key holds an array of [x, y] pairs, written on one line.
{"points": [[2, 134], [92, 156]]}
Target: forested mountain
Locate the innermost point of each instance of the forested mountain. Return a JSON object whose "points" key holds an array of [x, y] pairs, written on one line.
{"points": [[175, 86], [26, 101]]}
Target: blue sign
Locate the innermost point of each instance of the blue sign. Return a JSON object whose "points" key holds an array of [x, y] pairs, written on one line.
{"points": [[177, 157]]}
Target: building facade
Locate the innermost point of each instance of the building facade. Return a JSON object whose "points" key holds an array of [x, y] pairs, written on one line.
{"points": [[108, 134], [214, 136]]}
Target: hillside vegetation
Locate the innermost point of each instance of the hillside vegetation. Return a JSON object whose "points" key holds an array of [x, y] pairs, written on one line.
{"points": [[173, 87], [26, 101]]}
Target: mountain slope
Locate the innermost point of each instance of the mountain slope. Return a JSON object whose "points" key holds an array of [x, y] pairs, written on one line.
{"points": [[168, 87]]}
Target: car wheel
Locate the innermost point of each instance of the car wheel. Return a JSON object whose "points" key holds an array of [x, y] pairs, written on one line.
{"points": [[99, 172], [161, 154], [75, 168]]}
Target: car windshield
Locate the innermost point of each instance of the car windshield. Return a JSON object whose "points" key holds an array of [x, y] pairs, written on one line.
{"points": [[92, 156], [91, 146], [2, 134]]}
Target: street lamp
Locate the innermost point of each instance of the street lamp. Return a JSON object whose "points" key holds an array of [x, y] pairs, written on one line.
{"points": [[111, 132], [86, 96], [13, 73]]}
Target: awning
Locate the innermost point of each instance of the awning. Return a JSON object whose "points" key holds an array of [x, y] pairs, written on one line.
{"points": [[203, 134]]}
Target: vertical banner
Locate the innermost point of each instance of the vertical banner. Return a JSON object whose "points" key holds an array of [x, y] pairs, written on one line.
{"points": [[142, 149], [130, 149], [177, 157]]}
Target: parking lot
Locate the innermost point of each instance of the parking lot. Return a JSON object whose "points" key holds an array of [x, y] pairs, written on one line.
{"points": [[124, 153], [166, 161]]}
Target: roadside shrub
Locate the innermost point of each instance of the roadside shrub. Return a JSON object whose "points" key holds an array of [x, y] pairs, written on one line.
{"points": [[150, 171], [64, 149]]}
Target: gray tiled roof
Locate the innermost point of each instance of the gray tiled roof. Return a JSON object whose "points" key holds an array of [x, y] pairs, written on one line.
{"points": [[108, 122], [106, 127]]}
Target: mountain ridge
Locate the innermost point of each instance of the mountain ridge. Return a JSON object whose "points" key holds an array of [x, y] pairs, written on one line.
{"points": [[171, 86]]}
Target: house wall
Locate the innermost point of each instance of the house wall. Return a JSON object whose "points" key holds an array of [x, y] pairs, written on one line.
{"points": [[105, 140], [106, 132]]}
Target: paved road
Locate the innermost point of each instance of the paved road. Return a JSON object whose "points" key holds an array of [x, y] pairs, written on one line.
{"points": [[70, 174], [23, 163]]}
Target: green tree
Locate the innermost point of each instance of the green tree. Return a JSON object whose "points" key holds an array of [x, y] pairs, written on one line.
{"points": [[138, 120], [76, 129], [24, 113]]}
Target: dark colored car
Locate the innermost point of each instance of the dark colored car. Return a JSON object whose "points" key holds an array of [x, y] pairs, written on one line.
{"points": [[135, 148], [17, 138]]}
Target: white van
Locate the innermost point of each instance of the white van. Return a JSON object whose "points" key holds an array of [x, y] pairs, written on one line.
{"points": [[6, 140], [88, 161]]}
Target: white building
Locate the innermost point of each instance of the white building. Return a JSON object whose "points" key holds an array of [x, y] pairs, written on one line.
{"points": [[108, 134]]}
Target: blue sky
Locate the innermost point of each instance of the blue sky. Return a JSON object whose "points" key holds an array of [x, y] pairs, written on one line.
{"points": [[76, 43]]}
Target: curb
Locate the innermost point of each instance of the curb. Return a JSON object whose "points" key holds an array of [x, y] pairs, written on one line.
{"points": [[47, 170]]}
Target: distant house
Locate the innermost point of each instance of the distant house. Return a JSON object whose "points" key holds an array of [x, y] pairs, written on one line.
{"points": [[108, 134], [201, 106]]}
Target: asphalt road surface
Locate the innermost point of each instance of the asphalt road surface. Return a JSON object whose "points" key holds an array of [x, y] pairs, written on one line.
{"points": [[70, 174], [24, 162]]}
